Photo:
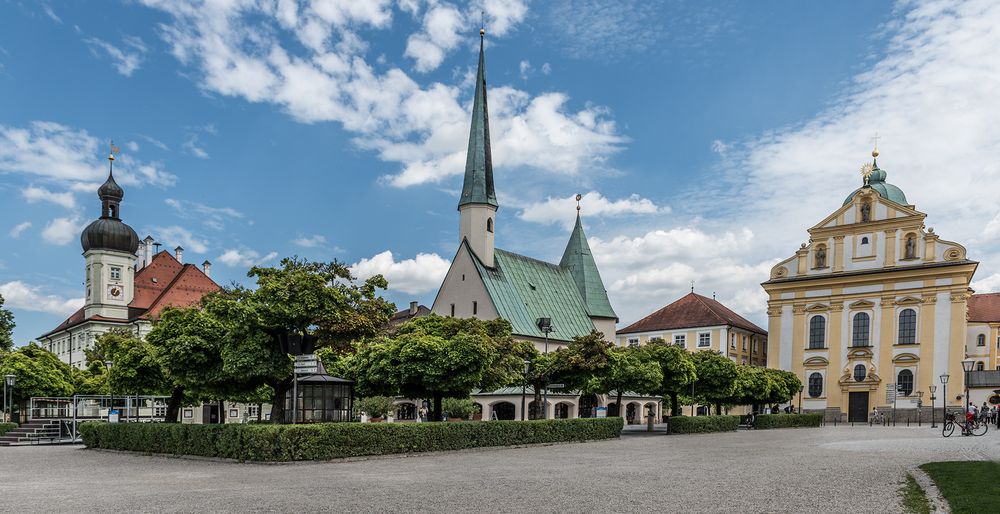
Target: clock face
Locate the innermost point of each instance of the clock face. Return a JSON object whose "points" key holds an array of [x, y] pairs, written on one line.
{"points": [[115, 292]]}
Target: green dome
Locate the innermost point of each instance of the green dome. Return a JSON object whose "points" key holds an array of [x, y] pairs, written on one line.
{"points": [[877, 182]]}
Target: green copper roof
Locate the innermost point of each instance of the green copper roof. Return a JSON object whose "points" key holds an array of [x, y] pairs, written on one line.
{"points": [[886, 190], [524, 289], [478, 187], [579, 260]]}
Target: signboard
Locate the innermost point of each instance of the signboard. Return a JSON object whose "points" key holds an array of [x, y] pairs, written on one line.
{"points": [[306, 364], [308, 358], [602, 412], [306, 370], [890, 393], [557, 386]]}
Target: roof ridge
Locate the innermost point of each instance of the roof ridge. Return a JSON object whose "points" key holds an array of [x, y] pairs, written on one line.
{"points": [[165, 290], [703, 300], [520, 256]]}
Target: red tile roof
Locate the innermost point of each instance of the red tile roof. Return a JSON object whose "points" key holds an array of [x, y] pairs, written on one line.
{"points": [[984, 308], [164, 282], [692, 310]]}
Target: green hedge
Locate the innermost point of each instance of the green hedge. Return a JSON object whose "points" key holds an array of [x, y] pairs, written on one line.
{"points": [[702, 424], [765, 421], [336, 440], [7, 427]]}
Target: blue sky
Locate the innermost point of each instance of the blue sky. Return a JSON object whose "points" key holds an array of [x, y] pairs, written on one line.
{"points": [[706, 136]]}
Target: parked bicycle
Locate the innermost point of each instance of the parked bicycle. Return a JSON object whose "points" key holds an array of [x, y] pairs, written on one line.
{"points": [[969, 427]]}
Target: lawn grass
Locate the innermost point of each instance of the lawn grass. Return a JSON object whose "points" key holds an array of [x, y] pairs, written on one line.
{"points": [[913, 497], [969, 487]]}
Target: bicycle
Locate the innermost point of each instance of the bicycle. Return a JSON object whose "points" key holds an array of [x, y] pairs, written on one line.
{"points": [[973, 427], [876, 419]]}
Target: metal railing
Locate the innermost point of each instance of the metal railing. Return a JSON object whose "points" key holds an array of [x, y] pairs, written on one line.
{"points": [[70, 411]]}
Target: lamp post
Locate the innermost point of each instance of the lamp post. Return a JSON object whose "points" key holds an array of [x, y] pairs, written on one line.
{"points": [[801, 387], [545, 325], [524, 385], [933, 388], [944, 395], [111, 392], [967, 367], [920, 403], [8, 401]]}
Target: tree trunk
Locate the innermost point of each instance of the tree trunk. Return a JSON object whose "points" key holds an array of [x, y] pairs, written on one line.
{"points": [[278, 403], [618, 402], [174, 405], [260, 407], [675, 404], [436, 414], [718, 408], [538, 401]]}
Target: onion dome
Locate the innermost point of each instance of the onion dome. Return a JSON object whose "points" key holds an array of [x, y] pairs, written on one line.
{"points": [[876, 181], [111, 189], [108, 232]]}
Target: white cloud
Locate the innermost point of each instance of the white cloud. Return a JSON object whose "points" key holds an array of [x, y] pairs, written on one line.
{"points": [[153, 141], [191, 145], [212, 217], [132, 146], [525, 68], [60, 231], [563, 210], [442, 27], [70, 156], [990, 284], [126, 59], [419, 275], [174, 236], [51, 14], [245, 257], [34, 194], [309, 242], [19, 295], [546, 68], [19, 229]]}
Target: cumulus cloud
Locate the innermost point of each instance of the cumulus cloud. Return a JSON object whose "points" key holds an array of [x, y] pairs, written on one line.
{"points": [[34, 194], [212, 217], [19, 229], [126, 59], [422, 274], [563, 211], [61, 231], [174, 236], [442, 27], [309, 242], [19, 295], [245, 257]]}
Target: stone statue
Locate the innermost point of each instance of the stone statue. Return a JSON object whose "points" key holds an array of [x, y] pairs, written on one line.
{"points": [[866, 211], [821, 257], [911, 248]]}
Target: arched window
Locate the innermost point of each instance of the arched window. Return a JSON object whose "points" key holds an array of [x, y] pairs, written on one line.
{"points": [[489, 224], [860, 372], [817, 332], [862, 325], [904, 382], [907, 326], [980, 366], [864, 240], [815, 385], [981, 340]]}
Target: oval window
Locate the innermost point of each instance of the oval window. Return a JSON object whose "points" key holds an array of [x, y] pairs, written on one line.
{"points": [[860, 372]]}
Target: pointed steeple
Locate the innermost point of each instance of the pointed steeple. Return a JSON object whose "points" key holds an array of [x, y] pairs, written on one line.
{"points": [[478, 187], [579, 260]]}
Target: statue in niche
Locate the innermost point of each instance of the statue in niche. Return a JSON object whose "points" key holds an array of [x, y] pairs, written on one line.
{"points": [[866, 211], [911, 248], [821, 257]]}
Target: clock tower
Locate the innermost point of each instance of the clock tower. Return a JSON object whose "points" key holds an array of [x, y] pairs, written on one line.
{"points": [[109, 247]]}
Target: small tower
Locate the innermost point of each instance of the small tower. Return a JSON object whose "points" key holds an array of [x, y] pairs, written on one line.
{"points": [[478, 205], [579, 261], [109, 247]]}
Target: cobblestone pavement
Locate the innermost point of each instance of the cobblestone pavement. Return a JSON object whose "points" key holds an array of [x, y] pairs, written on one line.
{"points": [[830, 470]]}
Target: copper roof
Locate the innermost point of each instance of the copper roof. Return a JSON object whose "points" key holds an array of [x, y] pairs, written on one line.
{"points": [[984, 308], [691, 311], [164, 282]]}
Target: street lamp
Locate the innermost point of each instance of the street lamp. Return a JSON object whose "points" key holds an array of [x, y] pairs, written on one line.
{"points": [[933, 388], [545, 325], [111, 392], [967, 366], [944, 395], [8, 405], [801, 387], [920, 403], [524, 385]]}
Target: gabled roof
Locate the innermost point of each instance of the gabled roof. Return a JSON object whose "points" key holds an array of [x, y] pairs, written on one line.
{"points": [[691, 311], [405, 315], [164, 282], [478, 185], [524, 289], [984, 308], [579, 260]]}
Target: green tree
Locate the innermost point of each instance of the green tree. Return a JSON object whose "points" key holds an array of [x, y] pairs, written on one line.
{"points": [[462, 408], [376, 406], [716, 376], [136, 367], [39, 373], [785, 385], [583, 359], [6, 328], [628, 369], [437, 357], [753, 386], [677, 367]]}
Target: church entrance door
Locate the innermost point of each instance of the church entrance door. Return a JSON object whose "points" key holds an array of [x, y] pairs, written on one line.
{"points": [[857, 407]]}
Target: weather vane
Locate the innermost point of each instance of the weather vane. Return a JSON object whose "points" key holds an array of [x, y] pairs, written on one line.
{"points": [[113, 150]]}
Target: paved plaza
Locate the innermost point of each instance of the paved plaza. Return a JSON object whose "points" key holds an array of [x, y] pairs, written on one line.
{"points": [[830, 469]]}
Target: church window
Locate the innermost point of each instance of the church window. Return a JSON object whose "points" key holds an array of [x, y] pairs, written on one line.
{"points": [[116, 273], [981, 340], [680, 339], [489, 224], [815, 385], [862, 328], [904, 382], [908, 326], [860, 372], [475, 308], [704, 339], [864, 240], [453, 310], [817, 332]]}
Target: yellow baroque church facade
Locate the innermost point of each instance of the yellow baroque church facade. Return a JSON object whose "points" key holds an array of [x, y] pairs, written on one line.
{"points": [[874, 309]]}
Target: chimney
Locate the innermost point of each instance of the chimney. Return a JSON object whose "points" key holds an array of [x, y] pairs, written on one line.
{"points": [[147, 252], [179, 254], [413, 308], [156, 248], [206, 268]]}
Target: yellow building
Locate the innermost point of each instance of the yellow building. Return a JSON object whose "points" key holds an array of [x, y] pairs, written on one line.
{"points": [[874, 303]]}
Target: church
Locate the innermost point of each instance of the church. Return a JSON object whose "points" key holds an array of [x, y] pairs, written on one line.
{"points": [[875, 311], [548, 304]]}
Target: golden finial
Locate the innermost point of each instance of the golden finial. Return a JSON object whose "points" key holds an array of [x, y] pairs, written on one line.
{"points": [[482, 32], [875, 148], [482, 23], [578, 198]]}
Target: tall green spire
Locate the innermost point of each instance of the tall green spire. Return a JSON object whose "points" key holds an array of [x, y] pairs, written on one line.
{"points": [[478, 187], [580, 262]]}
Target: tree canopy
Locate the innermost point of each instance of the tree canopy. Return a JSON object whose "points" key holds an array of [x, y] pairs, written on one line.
{"points": [[677, 367], [6, 328], [716, 377], [38, 371], [628, 369]]}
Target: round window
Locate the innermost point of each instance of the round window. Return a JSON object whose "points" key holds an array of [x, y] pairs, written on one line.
{"points": [[860, 372]]}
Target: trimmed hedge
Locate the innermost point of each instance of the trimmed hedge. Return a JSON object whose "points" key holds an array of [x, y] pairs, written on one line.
{"points": [[7, 427], [766, 421], [702, 424], [324, 441]]}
